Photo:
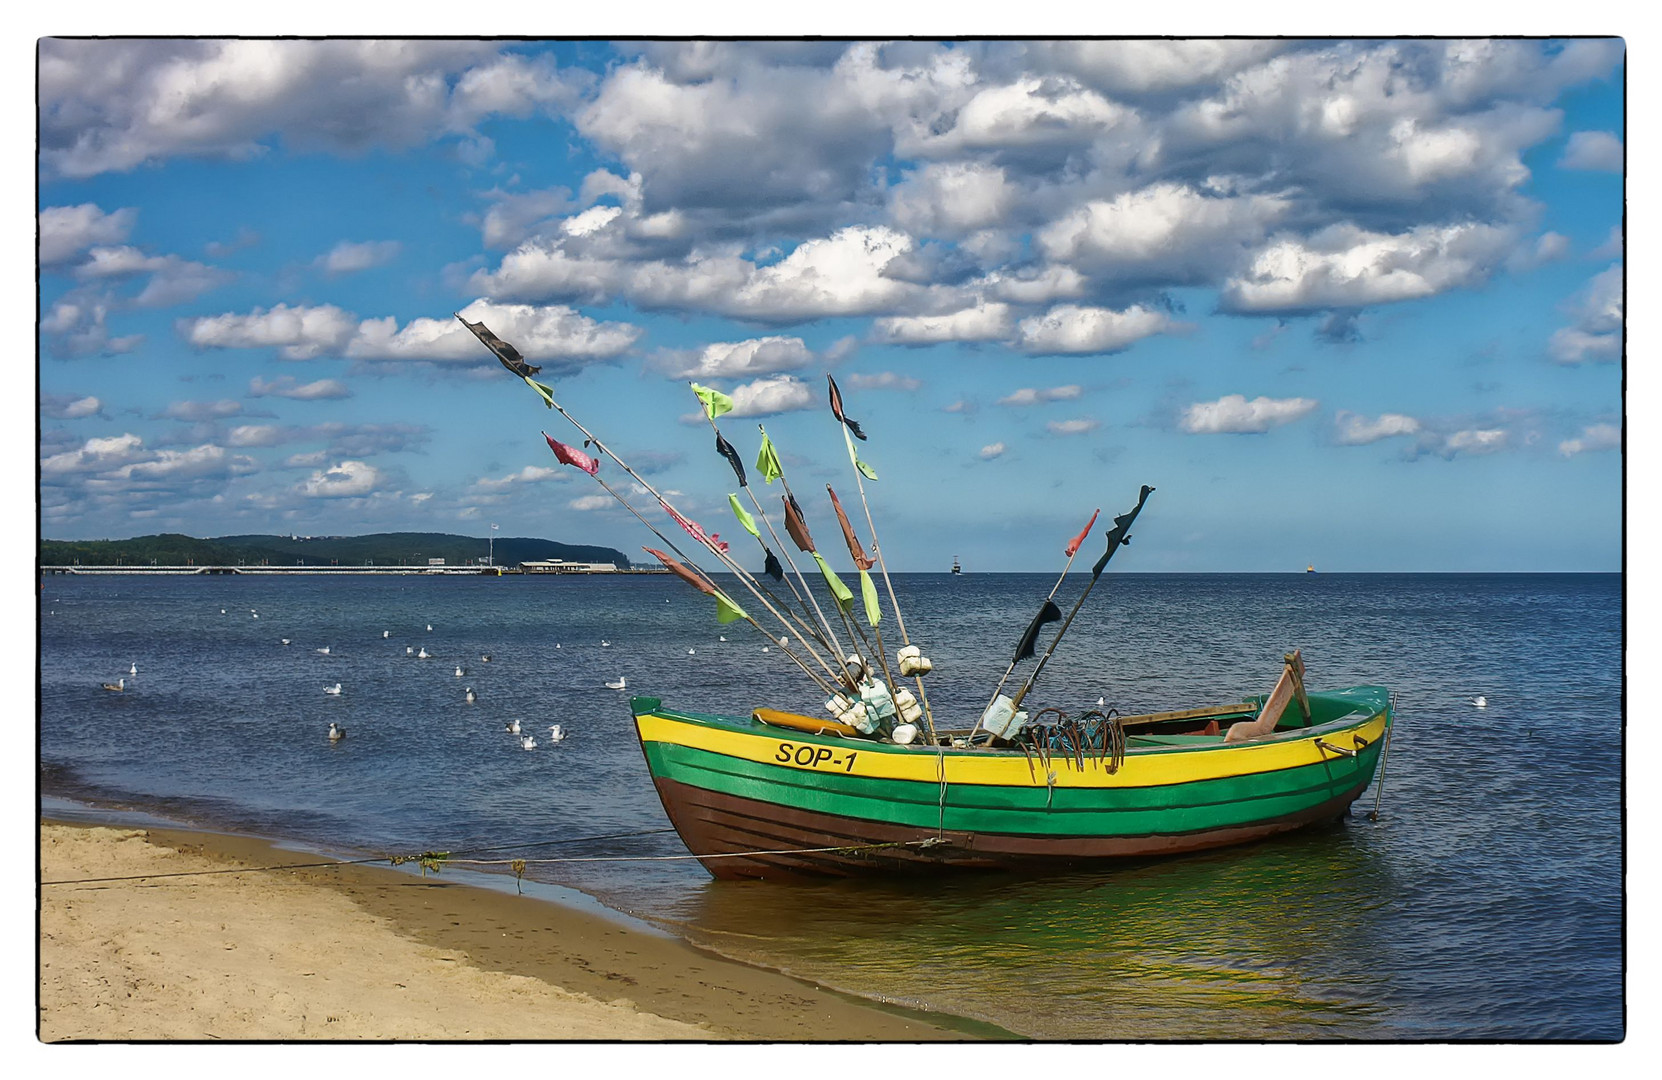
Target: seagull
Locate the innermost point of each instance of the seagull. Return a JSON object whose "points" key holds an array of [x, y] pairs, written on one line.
{"points": [[116, 687], [1100, 702], [785, 639], [555, 734], [324, 650], [765, 648], [285, 641], [336, 732], [689, 652], [429, 628], [604, 644], [619, 685], [528, 743], [1480, 701], [255, 614], [133, 670], [222, 611], [470, 698], [408, 651], [485, 658], [723, 637], [334, 690], [459, 671], [556, 644], [513, 728], [386, 633], [422, 655]]}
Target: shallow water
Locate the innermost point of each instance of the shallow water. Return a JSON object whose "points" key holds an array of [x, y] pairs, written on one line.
{"points": [[1485, 903]]}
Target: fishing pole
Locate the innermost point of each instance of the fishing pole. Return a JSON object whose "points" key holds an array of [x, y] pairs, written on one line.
{"points": [[1025, 648], [1117, 536]]}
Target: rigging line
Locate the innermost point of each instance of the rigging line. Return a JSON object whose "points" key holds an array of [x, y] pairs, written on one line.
{"points": [[743, 575], [348, 862], [1053, 589], [848, 623]]}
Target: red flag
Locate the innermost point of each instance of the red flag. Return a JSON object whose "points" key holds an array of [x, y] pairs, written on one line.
{"points": [[1073, 545], [855, 551], [695, 530], [682, 572], [571, 455], [796, 526]]}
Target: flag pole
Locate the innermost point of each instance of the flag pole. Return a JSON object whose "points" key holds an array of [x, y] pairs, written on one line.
{"points": [[743, 575], [822, 628], [1075, 546], [848, 623]]}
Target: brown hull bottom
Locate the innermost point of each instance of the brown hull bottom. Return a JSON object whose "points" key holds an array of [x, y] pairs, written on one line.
{"points": [[721, 829]]}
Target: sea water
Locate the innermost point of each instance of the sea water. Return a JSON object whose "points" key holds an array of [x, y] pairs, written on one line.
{"points": [[1484, 903]]}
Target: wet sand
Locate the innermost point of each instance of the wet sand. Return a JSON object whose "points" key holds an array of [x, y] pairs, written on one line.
{"points": [[349, 952]]}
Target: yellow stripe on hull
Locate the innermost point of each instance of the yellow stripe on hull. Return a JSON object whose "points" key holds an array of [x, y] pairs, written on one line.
{"points": [[1143, 767]]}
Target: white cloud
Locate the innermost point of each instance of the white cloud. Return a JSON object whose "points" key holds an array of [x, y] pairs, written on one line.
{"points": [[736, 359], [773, 394], [1070, 328], [1468, 441], [173, 280], [1152, 66], [1598, 313], [299, 333], [1355, 430], [1029, 112], [883, 380], [198, 411], [1072, 427], [952, 198], [555, 337], [984, 322], [1593, 438], [66, 231], [348, 258], [1234, 414], [992, 450], [1031, 396], [1601, 151], [344, 480], [263, 435], [70, 408], [589, 502], [95, 455], [1345, 266], [287, 386], [530, 474]]}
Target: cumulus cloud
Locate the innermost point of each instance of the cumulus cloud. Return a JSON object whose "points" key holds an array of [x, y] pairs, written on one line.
{"points": [[111, 467], [349, 258], [198, 411], [883, 380], [1352, 429], [952, 198], [773, 394], [68, 407], [344, 480], [530, 474], [1233, 414], [588, 503], [78, 325], [992, 450], [1468, 442], [66, 231], [1601, 151], [1031, 396], [113, 105], [298, 333], [1345, 266], [1593, 438], [287, 386], [735, 359], [1595, 334], [1072, 427], [984, 322], [1070, 328]]}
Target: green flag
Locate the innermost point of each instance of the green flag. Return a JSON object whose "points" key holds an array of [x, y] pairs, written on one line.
{"points": [[726, 610], [545, 392], [865, 470], [715, 402], [845, 599], [767, 462], [868, 593], [744, 517]]}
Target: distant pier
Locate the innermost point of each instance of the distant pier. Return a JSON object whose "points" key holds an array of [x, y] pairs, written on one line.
{"points": [[531, 568]]}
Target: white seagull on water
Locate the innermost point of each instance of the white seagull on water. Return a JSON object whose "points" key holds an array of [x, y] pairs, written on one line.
{"points": [[332, 690], [422, 655], [459, 671], [285, 641], [336, 732], [555, 734], [386, 633], [133, 669], [619, 685], [604, 644], [529, 742], [116, 687], [512, 728], [324, 650], [1480, 701], [470, 698]]}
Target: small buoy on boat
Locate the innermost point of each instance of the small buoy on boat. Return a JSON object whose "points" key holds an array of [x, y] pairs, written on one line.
{"points": [[619, 685], [555, 733], [336, 732], [332, 690], [905, 733], [1480, 701]]}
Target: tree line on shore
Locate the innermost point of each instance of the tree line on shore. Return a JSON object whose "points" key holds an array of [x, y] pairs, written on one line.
{"points": [[379, 549]]}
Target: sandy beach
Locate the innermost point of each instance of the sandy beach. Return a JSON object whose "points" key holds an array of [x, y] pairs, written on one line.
{"points": [[351, 952]]}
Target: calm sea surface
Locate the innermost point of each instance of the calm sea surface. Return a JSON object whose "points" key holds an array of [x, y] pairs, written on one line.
{"points": [[1486, 903]]}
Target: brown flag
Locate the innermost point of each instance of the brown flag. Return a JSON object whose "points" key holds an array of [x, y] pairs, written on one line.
{"points": [[681, 572], [796, 526], [837, 410], [854, 549], [510, 357]]}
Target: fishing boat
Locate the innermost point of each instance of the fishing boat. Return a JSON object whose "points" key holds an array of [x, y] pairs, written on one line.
{"points": [[956, 569], [881, 784]]}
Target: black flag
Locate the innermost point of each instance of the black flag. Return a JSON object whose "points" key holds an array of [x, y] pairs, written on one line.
{"points": [[1117, 535], [510, 357], [772, 569], [1048, 614], [725, 449], [837, 410]]}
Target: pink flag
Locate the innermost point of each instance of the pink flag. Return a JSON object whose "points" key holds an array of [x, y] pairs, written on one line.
{"points": [[571, 455], [695, 530], [1073, 545]]}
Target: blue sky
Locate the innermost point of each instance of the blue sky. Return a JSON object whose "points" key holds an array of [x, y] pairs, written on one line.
{"points": [[1355, 303]]}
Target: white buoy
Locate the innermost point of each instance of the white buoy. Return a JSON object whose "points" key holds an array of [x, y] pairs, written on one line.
{"points": [[555, 733], [619, 685], [1480, 701], [556, 644], [255, 614], [334, 690], [336, 732], [766, 649]]}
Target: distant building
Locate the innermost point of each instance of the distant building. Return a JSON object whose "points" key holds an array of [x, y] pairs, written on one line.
{"points": [[562, 566], [435, 562]]}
